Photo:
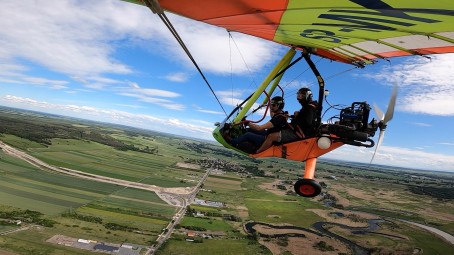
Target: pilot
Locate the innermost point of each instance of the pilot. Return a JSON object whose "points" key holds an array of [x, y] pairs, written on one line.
{"points": [[257, 133]]}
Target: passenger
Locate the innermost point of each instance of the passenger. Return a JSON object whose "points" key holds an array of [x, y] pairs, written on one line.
{"points": [[303, 120], [257, 133], [301, 125]]}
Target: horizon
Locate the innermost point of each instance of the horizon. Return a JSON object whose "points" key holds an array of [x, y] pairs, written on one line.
{"points": [[115, 62], [322, 158]]}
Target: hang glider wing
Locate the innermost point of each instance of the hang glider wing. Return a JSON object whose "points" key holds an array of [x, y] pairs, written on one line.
{"points": [[350, 31]]}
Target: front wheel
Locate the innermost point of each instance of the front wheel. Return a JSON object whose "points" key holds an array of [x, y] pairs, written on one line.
{"points": [[307, 188]]}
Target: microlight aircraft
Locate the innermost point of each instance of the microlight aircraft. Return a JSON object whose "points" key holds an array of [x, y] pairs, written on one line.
{"points": [[355, 32]]}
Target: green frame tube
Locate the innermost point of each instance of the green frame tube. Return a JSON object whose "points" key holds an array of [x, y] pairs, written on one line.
{"points": [[279, 66]]}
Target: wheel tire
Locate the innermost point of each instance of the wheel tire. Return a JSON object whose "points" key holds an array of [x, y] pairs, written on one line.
{"points": [[307, 188]]}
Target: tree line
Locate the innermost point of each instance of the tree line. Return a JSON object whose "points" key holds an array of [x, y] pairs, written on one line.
{"points": [[43, 133]]}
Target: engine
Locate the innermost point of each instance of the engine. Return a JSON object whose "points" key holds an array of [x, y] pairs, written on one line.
{"points": [[353, 126], [357, 117]]}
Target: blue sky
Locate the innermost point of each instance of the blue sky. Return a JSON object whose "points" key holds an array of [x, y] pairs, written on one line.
{"points": [[116, 62]]}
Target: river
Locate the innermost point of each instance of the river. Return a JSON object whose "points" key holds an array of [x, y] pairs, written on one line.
{"points": [[320, 226]]}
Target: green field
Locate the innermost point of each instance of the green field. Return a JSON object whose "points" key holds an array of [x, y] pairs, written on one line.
{"points": [[221, 247]]}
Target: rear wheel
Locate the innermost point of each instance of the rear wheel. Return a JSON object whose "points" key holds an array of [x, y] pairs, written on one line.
{"points": [[307, 188]]}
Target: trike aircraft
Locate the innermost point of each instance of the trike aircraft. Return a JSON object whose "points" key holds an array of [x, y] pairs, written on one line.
{"points": [[355, 32]]}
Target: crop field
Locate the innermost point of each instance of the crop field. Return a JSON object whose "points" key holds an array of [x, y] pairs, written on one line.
{"points": [[134, 205], [125, 217], [103, 160], [221, 247], [215, 182], [208, 224], [30, 188]]}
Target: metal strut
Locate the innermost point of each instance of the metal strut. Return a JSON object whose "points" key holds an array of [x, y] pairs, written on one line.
{"points": [[321, 86]]}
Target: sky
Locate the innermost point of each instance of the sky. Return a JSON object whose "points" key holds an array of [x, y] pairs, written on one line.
{"points": [[116, 62]]}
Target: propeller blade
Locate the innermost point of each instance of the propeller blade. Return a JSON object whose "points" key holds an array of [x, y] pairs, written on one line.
{"points": [[379, 112], [385, 118], [380, 140], [392, 103]]}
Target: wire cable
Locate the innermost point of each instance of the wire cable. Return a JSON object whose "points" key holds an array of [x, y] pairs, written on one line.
{"points": [[155, 8], [242, 57]]}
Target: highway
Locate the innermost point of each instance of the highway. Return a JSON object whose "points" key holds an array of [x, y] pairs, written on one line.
{"points": [[186, 200]]}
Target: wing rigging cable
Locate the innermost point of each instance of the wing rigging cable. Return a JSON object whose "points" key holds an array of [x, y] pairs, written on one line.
{"points": [[154, 6], [242, 57], [244, 61]]}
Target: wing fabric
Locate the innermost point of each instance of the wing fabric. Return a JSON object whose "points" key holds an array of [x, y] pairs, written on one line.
{"points": [[350, 31]]}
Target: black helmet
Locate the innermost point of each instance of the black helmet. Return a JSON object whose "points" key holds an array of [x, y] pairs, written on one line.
{"points": [[279, 101], [307, 94]]}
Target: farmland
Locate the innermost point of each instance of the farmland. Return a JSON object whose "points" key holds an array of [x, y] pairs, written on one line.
{"points": [[249, 190]]}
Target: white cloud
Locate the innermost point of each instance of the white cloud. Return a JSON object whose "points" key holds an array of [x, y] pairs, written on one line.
{"points": [[213, 52], [421, 124], [445, 143], [134, 85], [12, 73], [156, 92], [233, 97], [64, 36], [80, 37], [11, 69], [153, 100], [395, 156], [200, 109], [153, 96], [425, 85], [177, 77]]}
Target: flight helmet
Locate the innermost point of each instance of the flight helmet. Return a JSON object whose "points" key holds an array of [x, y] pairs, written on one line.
{"points": [[279, 101], [306, 94]]}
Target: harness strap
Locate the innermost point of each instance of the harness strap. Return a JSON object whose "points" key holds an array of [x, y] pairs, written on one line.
{"points": [[298, 131]]}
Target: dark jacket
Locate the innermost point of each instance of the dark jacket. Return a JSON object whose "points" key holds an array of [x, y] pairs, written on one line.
{"points": [[279, 123], [303, 122]]}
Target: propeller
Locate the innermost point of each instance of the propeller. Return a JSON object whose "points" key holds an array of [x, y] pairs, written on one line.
{"points": [[384, 118]]}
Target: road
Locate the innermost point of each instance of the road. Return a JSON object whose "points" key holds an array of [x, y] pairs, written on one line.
{"points": [[448, 237], [186, 200]]}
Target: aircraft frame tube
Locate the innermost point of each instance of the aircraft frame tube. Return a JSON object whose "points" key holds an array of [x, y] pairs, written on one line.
{"points": [[277, 80], [321, 85], [287, 57]]}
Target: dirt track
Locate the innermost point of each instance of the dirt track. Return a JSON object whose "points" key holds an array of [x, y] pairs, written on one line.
{"points": [[170, 195]]}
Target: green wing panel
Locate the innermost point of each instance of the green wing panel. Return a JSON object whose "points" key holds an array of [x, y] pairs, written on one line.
{"points": [[351, 31]]}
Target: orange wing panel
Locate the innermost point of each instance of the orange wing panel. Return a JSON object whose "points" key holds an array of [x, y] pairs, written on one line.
{"points": [[256, 17]]}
